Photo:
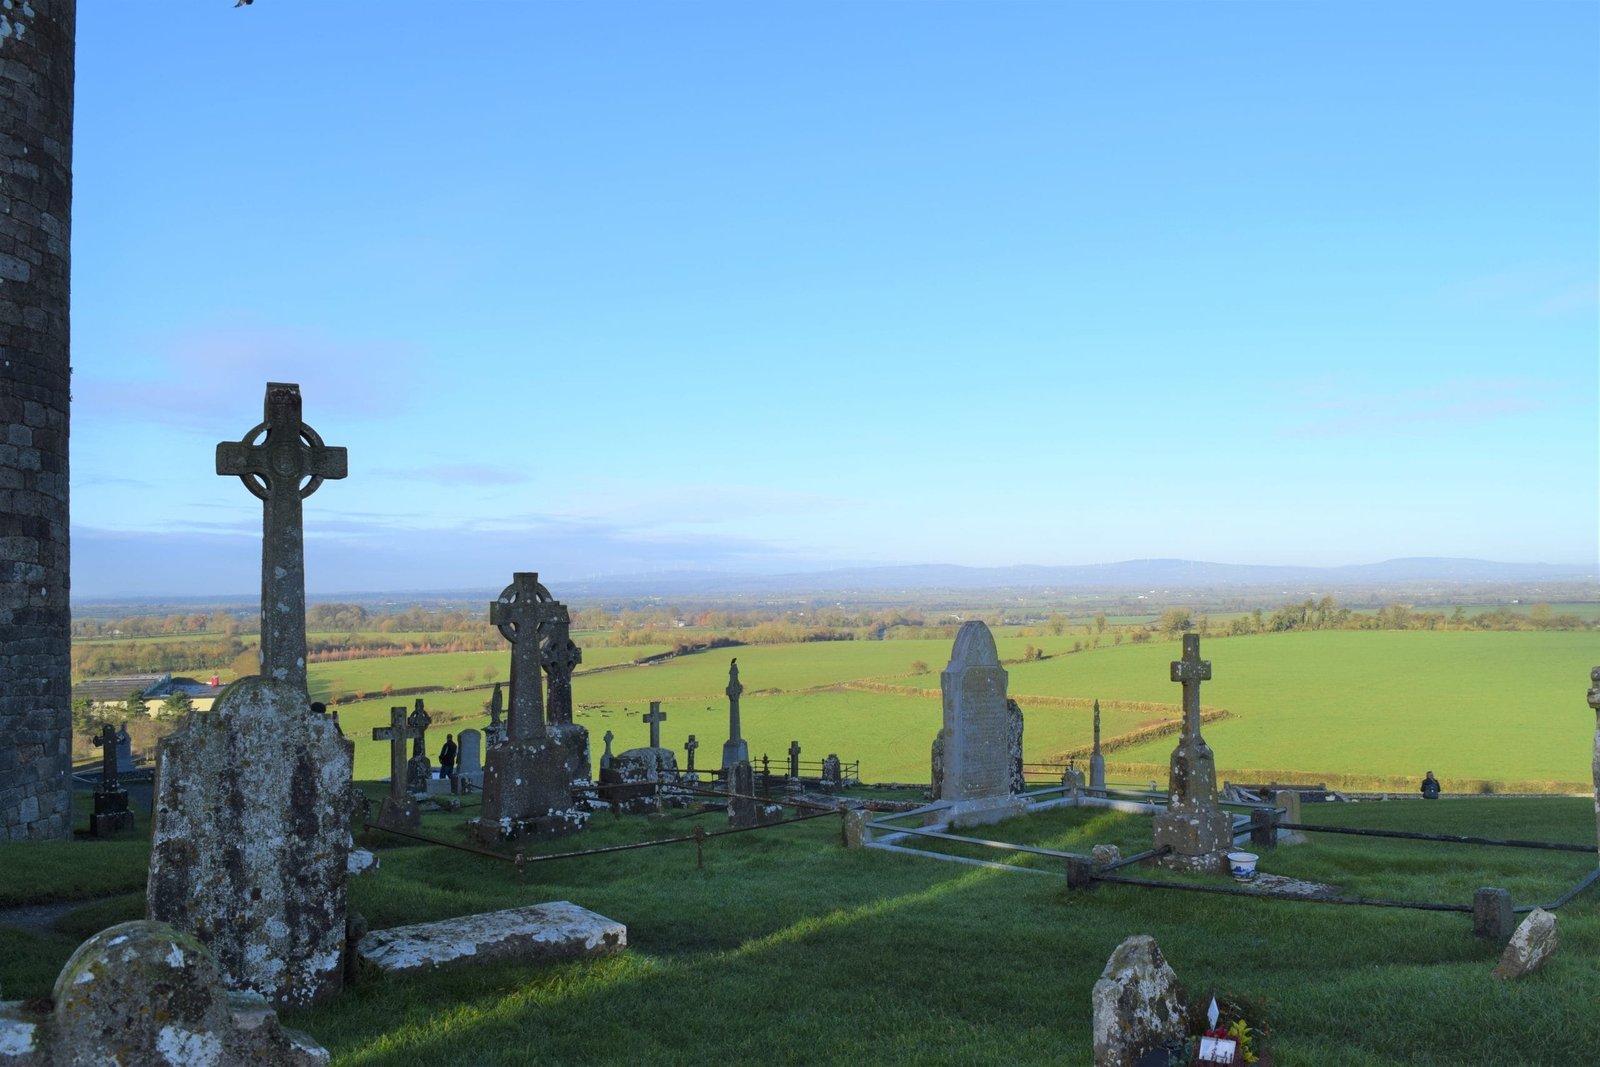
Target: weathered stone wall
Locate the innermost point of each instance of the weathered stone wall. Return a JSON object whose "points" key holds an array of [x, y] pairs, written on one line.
{"points": [[36, 56]]}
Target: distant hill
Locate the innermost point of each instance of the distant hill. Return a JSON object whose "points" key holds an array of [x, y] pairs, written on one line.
{"points": [[1129, 574]]}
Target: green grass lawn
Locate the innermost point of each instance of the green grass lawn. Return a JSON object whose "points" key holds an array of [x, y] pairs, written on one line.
{"points": [[787, 948]]}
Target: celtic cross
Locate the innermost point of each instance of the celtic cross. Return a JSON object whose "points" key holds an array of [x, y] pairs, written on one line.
{"points": [[282, 461]]}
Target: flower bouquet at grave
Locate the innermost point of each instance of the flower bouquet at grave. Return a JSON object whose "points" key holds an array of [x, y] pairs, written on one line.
{"points": [[1227, 1024]]}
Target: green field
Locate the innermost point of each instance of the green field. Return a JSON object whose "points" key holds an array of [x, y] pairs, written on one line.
{"points": [[1503, 708]]}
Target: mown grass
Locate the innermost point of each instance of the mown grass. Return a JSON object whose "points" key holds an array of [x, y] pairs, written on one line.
{"points": [[787, 948]]}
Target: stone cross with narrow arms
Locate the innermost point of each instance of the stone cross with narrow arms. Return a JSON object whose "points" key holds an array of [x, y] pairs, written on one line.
{"points": [[1191, 670], [689, 746], [655, 719], [794, 759], [396, 733], [519, 612], [273, 467], [735, 687]]}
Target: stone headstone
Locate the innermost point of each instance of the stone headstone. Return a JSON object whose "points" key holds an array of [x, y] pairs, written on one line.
{"points": [[470, 769], [1200, 833], [734, 748], [1531, 946], [689, 748], [831, 778], [495, 731], [936, 767], [1288, 800], [794, 759], [111, 814], [978, 769], [1138, 1004], [144, 993], [418, 769], [125, 764], [1019, 782], [560, 656], [654, 720], [1097, 761], [527, 779], [1492, 914], [398, 811], [742, 802], [855, 827], [250, 842]]}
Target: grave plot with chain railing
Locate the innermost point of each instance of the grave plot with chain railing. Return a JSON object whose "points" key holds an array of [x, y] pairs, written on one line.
{"points": [[1259, 824]]}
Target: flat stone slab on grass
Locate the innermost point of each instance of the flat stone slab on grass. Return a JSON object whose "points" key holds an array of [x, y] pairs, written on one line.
{"points": [[559, 930]]}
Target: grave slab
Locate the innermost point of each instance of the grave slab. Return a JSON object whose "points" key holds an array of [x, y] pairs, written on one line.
{"points": [[559, 930]]}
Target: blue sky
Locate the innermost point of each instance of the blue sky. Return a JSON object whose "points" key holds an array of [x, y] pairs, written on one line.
{"points": [[602, 288]]}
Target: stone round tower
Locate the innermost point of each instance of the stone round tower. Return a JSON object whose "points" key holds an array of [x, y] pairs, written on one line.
{"points": [[36, 59]]}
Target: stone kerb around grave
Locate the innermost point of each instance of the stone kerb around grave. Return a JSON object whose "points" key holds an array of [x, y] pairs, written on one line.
{"points": [[250, 842]]}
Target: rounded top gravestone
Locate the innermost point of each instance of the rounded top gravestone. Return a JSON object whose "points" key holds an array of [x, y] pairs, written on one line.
{"points": [[144, 989], [974, 647]]}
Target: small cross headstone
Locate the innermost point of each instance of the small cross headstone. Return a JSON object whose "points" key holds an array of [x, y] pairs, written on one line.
{"points": [[396, 733], [689, 746], [1097, 761], [111, 813], [794, 759], [605, 757], [272, 461], [655, 719]]}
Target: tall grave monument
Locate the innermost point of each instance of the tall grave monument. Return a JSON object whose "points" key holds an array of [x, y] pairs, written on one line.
{"points": [[734, 749], [1199, 832], [560, 655], [977, 772], [251, 839], [527, 787]]}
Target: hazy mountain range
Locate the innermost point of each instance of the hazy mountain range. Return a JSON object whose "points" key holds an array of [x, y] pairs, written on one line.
{"points": [[1129, 574]]}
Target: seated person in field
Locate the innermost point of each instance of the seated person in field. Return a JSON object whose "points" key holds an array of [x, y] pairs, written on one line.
{"points": [[1430, 787]]}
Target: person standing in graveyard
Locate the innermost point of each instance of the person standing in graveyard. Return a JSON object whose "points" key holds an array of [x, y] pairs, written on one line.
{"points": [[447, 760], [1430, 787]]}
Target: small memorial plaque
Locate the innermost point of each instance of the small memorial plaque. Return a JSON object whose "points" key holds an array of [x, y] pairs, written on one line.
{"points": [[1218, 1050]]}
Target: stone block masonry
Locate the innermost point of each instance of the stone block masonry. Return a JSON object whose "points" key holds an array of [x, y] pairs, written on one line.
{"points": [[36, 70]]}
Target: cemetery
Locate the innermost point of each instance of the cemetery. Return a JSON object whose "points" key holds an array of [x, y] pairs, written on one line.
{"points": [[583, 856], [279, 900]]}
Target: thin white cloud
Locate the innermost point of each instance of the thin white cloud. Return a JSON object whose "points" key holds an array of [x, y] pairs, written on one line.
{"points": [[1331, 410], [204, 379]]}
